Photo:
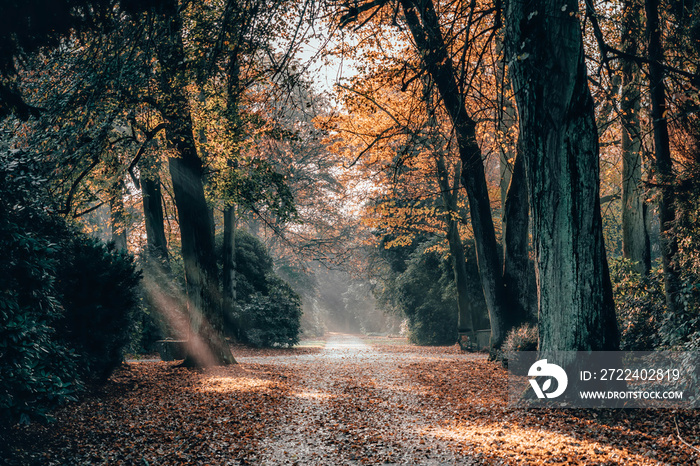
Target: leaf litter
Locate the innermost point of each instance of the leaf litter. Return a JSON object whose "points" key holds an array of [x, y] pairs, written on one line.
{"points": [[355, 401]]}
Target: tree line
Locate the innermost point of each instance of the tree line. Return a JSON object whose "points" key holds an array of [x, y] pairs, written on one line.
{"points": [[537, 96], [476, 145]]}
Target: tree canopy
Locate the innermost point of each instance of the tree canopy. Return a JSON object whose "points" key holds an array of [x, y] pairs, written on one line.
{"points": [[175, 171]]}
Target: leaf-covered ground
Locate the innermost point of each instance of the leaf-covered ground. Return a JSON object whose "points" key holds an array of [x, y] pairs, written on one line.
{"points": [[354, 401]]}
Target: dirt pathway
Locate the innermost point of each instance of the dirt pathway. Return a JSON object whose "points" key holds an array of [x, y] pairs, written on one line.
{"points": [[354, 405], [354, 402]]}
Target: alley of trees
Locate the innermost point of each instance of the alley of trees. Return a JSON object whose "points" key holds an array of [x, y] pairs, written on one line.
{"points": [[185, 176]]}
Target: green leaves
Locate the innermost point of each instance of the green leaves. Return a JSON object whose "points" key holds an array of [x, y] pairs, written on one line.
{"points": [[255, 186]]}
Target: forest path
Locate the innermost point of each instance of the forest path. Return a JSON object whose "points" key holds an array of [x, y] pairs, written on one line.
{"points": [[353, 404], [357, 401]]}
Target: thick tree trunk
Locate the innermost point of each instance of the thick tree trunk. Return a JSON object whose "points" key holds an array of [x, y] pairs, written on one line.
{"points": [[156, 242], [560, 147], [662, 149], [208, 346], [518, 271], [425, 29], [450, 196], [635, 238]]}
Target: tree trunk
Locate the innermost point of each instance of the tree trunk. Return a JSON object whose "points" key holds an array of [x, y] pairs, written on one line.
{"points": [[233, 91], [156, 243], [117, 218], [450, 196], [208, 346], [230, 269], [425, 29], [662, 150], [560, 148], [635, 238], [506, 122], [518, 272]]}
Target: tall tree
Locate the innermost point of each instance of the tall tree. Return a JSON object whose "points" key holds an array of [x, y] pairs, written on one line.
{"points": [[662, 152], [423, 23], [154, 218], [186, 171], [635, 237], [560, 148], [450, 196], [518, 272], [468, 28]]}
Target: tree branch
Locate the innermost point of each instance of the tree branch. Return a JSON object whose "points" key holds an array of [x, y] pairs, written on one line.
{"points": [[605, 49], [149, 137]]}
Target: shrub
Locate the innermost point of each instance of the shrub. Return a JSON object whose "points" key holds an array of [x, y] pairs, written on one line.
{"points": [[523, 338], [65, 300], [644, 320], [640, 304], [36, 371], [253, 264], [98, 287], [429, 304], [273, 319], [267, 311]]}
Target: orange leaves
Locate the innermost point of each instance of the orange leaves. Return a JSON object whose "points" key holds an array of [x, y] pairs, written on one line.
{"points": [[349, 403], [154, 413]]}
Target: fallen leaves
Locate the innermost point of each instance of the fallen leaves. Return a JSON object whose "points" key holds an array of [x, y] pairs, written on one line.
{"points": [[348, 403], [155, 413], [482, 424]]}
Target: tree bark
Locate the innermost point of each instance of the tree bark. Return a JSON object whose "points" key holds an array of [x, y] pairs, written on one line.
{"points": [[117, 217], [560, 148], [518, 271], [230, 269], [635, 237], [208, 346], [662, 150], [450, 196], [156, 243], [425, 29]]}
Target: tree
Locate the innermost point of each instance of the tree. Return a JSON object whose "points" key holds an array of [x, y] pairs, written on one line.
{"points": [[425, 29], [196, 229], [560, 148], [413, 165], [663, 163], [452, 84], [450, 195], [635, 242]]}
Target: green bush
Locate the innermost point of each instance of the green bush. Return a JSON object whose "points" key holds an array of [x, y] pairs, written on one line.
{"points": [[65, 300], [428, 297], [98, 287], [273, 319], [640, 304], [37, 372], [267, 311], [253, 265], [644, 320]]}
